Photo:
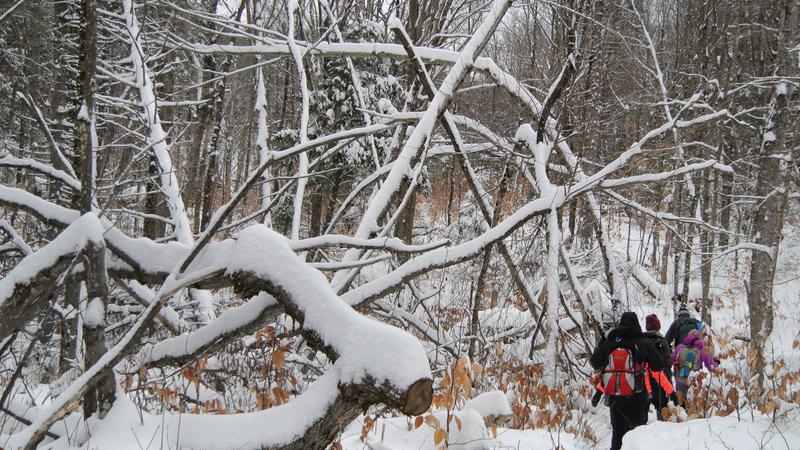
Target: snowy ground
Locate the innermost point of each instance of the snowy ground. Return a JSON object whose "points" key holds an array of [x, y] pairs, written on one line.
{"points": [[717, 433], [393, 434]]}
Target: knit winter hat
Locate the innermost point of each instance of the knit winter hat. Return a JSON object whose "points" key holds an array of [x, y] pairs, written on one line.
{"points": [[684, 312], [651, 323]]}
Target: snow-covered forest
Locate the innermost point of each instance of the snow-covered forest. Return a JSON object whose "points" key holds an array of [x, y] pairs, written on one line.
{"points": [[391, 224]]}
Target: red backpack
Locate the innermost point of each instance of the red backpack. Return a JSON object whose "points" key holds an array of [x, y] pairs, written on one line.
{"points": [[622, 376]]}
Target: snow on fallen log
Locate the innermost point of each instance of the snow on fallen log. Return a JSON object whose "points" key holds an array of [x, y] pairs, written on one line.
{"points": [[234, 322], [655, 288], [261, 259], [27, 287]]}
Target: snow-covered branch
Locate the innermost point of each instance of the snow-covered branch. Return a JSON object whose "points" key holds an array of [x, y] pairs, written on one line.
{"points": [[662, 176], [14, 239], [366, 370], [448, 256], [297, 56], [231, 324], [44, 169], [342, 241], [26, 289]]}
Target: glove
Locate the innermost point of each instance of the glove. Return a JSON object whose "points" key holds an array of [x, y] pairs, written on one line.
{"points": [[596, 398], [674, 398]]}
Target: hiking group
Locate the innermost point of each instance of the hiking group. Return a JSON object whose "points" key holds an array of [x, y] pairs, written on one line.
{"points": [[636, 368]]}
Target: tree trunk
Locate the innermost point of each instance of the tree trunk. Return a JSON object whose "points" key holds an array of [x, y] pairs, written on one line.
{"points": [[502, 190], [100, 398], [706, 249], [773, 185], [153, 228], [725, 192], [404, 229], [476, 302], [59, 96], [67, 348], [214, 148], [333, 199]]}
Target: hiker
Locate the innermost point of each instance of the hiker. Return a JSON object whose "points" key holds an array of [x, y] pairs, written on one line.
{"points": [[681, 327], [623, 357], [689, 357], [659, 385]]}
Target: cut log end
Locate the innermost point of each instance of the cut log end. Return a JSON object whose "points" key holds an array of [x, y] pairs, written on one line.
{"points": [[418, 397]]}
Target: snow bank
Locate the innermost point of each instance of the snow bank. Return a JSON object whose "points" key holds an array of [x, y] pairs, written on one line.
{"points": [[490, 404], [717, 433], [393, 433], [538, 439]]}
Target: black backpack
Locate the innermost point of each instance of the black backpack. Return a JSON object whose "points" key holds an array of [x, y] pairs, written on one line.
{"points": [[685, 326], [660, 348]]}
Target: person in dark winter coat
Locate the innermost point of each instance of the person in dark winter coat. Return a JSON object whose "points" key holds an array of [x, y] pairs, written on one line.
{"points": [[627, 395], [681, 327], [661, 389]]}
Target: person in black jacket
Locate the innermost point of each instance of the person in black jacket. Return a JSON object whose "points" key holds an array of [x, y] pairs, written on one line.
{"points": [[660, 382], [681, 327], [629, 410]]}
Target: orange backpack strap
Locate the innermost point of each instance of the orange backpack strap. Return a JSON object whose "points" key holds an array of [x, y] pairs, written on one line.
{"points": [[597, 379], [664, 382], [600, 387]]}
